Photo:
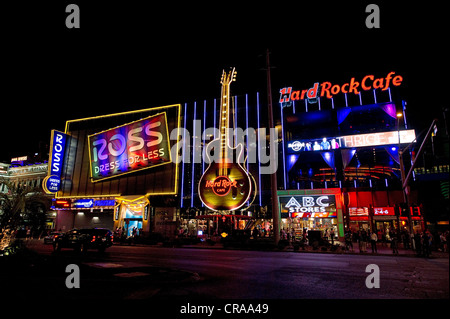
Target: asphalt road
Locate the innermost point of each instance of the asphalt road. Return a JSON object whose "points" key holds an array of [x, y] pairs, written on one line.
{"points": [[143, 272]]}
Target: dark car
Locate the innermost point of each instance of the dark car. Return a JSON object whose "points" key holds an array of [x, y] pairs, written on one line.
{"points": [[84, 239], [50, 238]]}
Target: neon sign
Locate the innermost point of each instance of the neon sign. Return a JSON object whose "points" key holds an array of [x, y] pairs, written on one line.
{"points": [[221, 186], [60, 204], [328, 89], [52, 183], [353, 141], [323, 206], [384, 211], [374, 139], [134, 146]]}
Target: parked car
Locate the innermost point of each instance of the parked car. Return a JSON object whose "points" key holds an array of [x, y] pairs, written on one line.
{"points": [[84, 239], [50, 238]]}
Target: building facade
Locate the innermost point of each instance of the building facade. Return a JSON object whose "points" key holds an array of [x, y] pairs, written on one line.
{"points": [[21, 173], [338, 164]]}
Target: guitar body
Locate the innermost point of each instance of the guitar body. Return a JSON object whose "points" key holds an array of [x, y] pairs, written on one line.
{"points": [[227, 185]]}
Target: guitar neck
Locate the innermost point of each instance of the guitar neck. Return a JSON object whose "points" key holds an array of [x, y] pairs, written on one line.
{"points": [[224, 121]]}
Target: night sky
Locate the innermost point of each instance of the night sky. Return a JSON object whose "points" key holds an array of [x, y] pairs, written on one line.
{"points": [[128, 56]]}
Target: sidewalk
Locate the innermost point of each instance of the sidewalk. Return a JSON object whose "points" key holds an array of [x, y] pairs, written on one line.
{"points": [[382, 250]]}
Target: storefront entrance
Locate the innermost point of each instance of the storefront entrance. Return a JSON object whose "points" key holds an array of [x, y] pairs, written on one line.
{"points": [[133, 226], [131, 215]]}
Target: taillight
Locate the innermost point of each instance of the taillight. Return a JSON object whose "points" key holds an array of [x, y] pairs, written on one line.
{"points": [[93, 239]]}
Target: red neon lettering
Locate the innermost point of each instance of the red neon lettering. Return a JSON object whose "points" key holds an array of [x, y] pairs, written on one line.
{"points": [[363, 82], [335, 89], [368, 82], [353, 86], [285, 94], [397, 80], [325, 87], [388, 79], [378, 83], [312, 92], [344, 90], [295, 95], [302, 97]]}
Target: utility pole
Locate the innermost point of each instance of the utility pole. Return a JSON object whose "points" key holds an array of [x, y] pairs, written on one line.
{"points": [[273, 177]]}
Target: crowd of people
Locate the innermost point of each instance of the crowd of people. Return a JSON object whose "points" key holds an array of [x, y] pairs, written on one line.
{"points": [[422, 242]]}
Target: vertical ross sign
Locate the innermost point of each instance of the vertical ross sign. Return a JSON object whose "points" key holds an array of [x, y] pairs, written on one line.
{"points": [[52, 183], [131, 147]]}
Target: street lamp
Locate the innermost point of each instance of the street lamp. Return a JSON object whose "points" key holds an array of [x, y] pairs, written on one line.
{"points": [[405, 191]]}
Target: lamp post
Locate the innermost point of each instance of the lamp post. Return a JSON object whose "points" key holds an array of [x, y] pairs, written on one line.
{"points": [[405, 190]]}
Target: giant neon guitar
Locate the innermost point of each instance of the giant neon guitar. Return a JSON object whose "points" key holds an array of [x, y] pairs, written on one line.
{"points": [[225, 184]]}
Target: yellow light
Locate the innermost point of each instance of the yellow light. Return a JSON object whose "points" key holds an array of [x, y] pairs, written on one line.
{"points": [[399, 114]]}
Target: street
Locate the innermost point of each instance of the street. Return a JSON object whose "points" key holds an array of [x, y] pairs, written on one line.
{"points": [[143, 272]]}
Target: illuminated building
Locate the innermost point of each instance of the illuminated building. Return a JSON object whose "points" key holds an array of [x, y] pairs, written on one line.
{"points": [[346, 139], [25, 173], [117, 171]]}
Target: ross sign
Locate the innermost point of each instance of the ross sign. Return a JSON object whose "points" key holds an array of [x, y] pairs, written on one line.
{"points": [[131, 147], [316, 206], [52, 183], [328, 89], [383, 211]]}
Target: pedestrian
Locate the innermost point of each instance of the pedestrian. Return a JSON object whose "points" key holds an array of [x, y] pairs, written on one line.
{"points": [[332, 236], [383, 238], [28, 236], [373, 242], [255, 233], [443, 239], [405, 239], [426, 244], [357, 238], [364, 240], [348, 240], [394, 242], [418, 243]]}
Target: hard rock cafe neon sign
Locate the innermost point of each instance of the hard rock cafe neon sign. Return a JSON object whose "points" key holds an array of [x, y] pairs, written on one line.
{"points": [[328, 89], [221, 186]]}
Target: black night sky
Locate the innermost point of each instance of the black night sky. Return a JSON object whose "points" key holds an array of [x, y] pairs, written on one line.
{"points": [[128, 56]]}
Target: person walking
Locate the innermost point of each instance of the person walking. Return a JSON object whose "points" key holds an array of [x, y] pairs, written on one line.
{"points": [[348, 240], [332, 236], [418, 243], [373, 242], [443, 240], [426, 244], [394, 242]]}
